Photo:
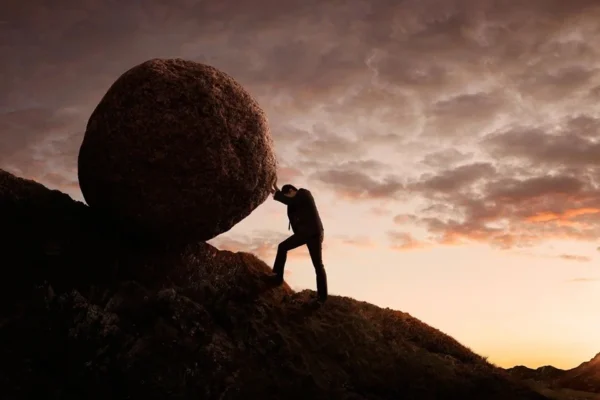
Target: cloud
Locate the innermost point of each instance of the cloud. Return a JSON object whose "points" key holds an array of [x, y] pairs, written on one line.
{"points": [[566, 217], [479, 203], [583, 280], [26, 127], [330, 146], [445, 158], [572, 146], [42, 144], [559, 83], [286, 136], [403, 241], [455, 117], [284, 47], [572, 257], [547, 187], [357, 241], [287, 174], [380, 211], [453, 180], [403, 219], [480, 115], [263, 244], [351, 183]]}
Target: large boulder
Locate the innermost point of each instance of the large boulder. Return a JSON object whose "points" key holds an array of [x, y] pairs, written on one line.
{"points": [[177, 149]]}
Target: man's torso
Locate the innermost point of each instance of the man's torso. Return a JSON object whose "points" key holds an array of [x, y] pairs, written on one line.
{"points": [[304, 216]]}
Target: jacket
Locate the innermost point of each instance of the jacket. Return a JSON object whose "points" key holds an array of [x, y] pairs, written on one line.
{"points": [[302, 212]]}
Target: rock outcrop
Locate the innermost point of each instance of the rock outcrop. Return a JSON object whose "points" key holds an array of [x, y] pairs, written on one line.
{"points": [[177, 149], [89, 314]]}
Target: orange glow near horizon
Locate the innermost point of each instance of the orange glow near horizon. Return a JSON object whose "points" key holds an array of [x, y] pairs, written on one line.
{"points": [[562, 217]]}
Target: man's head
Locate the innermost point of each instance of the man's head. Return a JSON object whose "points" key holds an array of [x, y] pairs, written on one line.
{"points": [[289, 190]]}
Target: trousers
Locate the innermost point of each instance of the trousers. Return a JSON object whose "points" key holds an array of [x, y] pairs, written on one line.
{"points": [[315, 249]]}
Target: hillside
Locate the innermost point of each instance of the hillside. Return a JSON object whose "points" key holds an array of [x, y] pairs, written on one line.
{"points": [[585, 377], [546, 373], [91, 312]]}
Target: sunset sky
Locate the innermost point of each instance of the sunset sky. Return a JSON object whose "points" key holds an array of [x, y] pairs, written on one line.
{"points": [[451, 145]]}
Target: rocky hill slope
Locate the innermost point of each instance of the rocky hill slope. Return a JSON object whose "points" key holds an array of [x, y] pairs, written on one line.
{"points": [[545, 373], [90, 311], [585, 377]]}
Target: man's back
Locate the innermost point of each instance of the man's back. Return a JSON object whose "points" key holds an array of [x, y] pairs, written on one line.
{"points": [[302, 212]]}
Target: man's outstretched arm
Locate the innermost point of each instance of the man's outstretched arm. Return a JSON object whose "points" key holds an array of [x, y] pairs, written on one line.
{"points": [[279, 196], [301, 197]]}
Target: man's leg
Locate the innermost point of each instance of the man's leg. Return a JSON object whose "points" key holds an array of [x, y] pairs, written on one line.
{"points": [[288, 244], [315, 248]]}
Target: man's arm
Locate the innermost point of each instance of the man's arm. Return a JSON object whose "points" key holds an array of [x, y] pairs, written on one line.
{"points": [[301, 197], [279, 196]]}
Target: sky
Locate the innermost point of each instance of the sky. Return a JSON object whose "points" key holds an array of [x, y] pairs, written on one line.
{"points": [[452, 146]]}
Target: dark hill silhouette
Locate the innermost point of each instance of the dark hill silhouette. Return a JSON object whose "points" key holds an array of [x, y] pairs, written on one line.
{"points": [[584, 377], [545, 373], [91, 312]]}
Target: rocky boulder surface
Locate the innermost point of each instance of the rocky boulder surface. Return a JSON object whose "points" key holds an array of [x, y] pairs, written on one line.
{"points": [[177, 149], [89, 313]]}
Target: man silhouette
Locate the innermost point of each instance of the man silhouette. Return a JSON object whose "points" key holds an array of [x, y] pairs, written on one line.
{"points": [[308, 230]]}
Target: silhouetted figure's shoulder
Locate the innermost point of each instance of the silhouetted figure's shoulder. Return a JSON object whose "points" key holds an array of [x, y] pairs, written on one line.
{"points": [[304, 193], [301, 195]]}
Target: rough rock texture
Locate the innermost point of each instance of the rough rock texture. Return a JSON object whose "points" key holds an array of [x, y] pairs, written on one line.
{"points": [[89, 314], [177, 148]]}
